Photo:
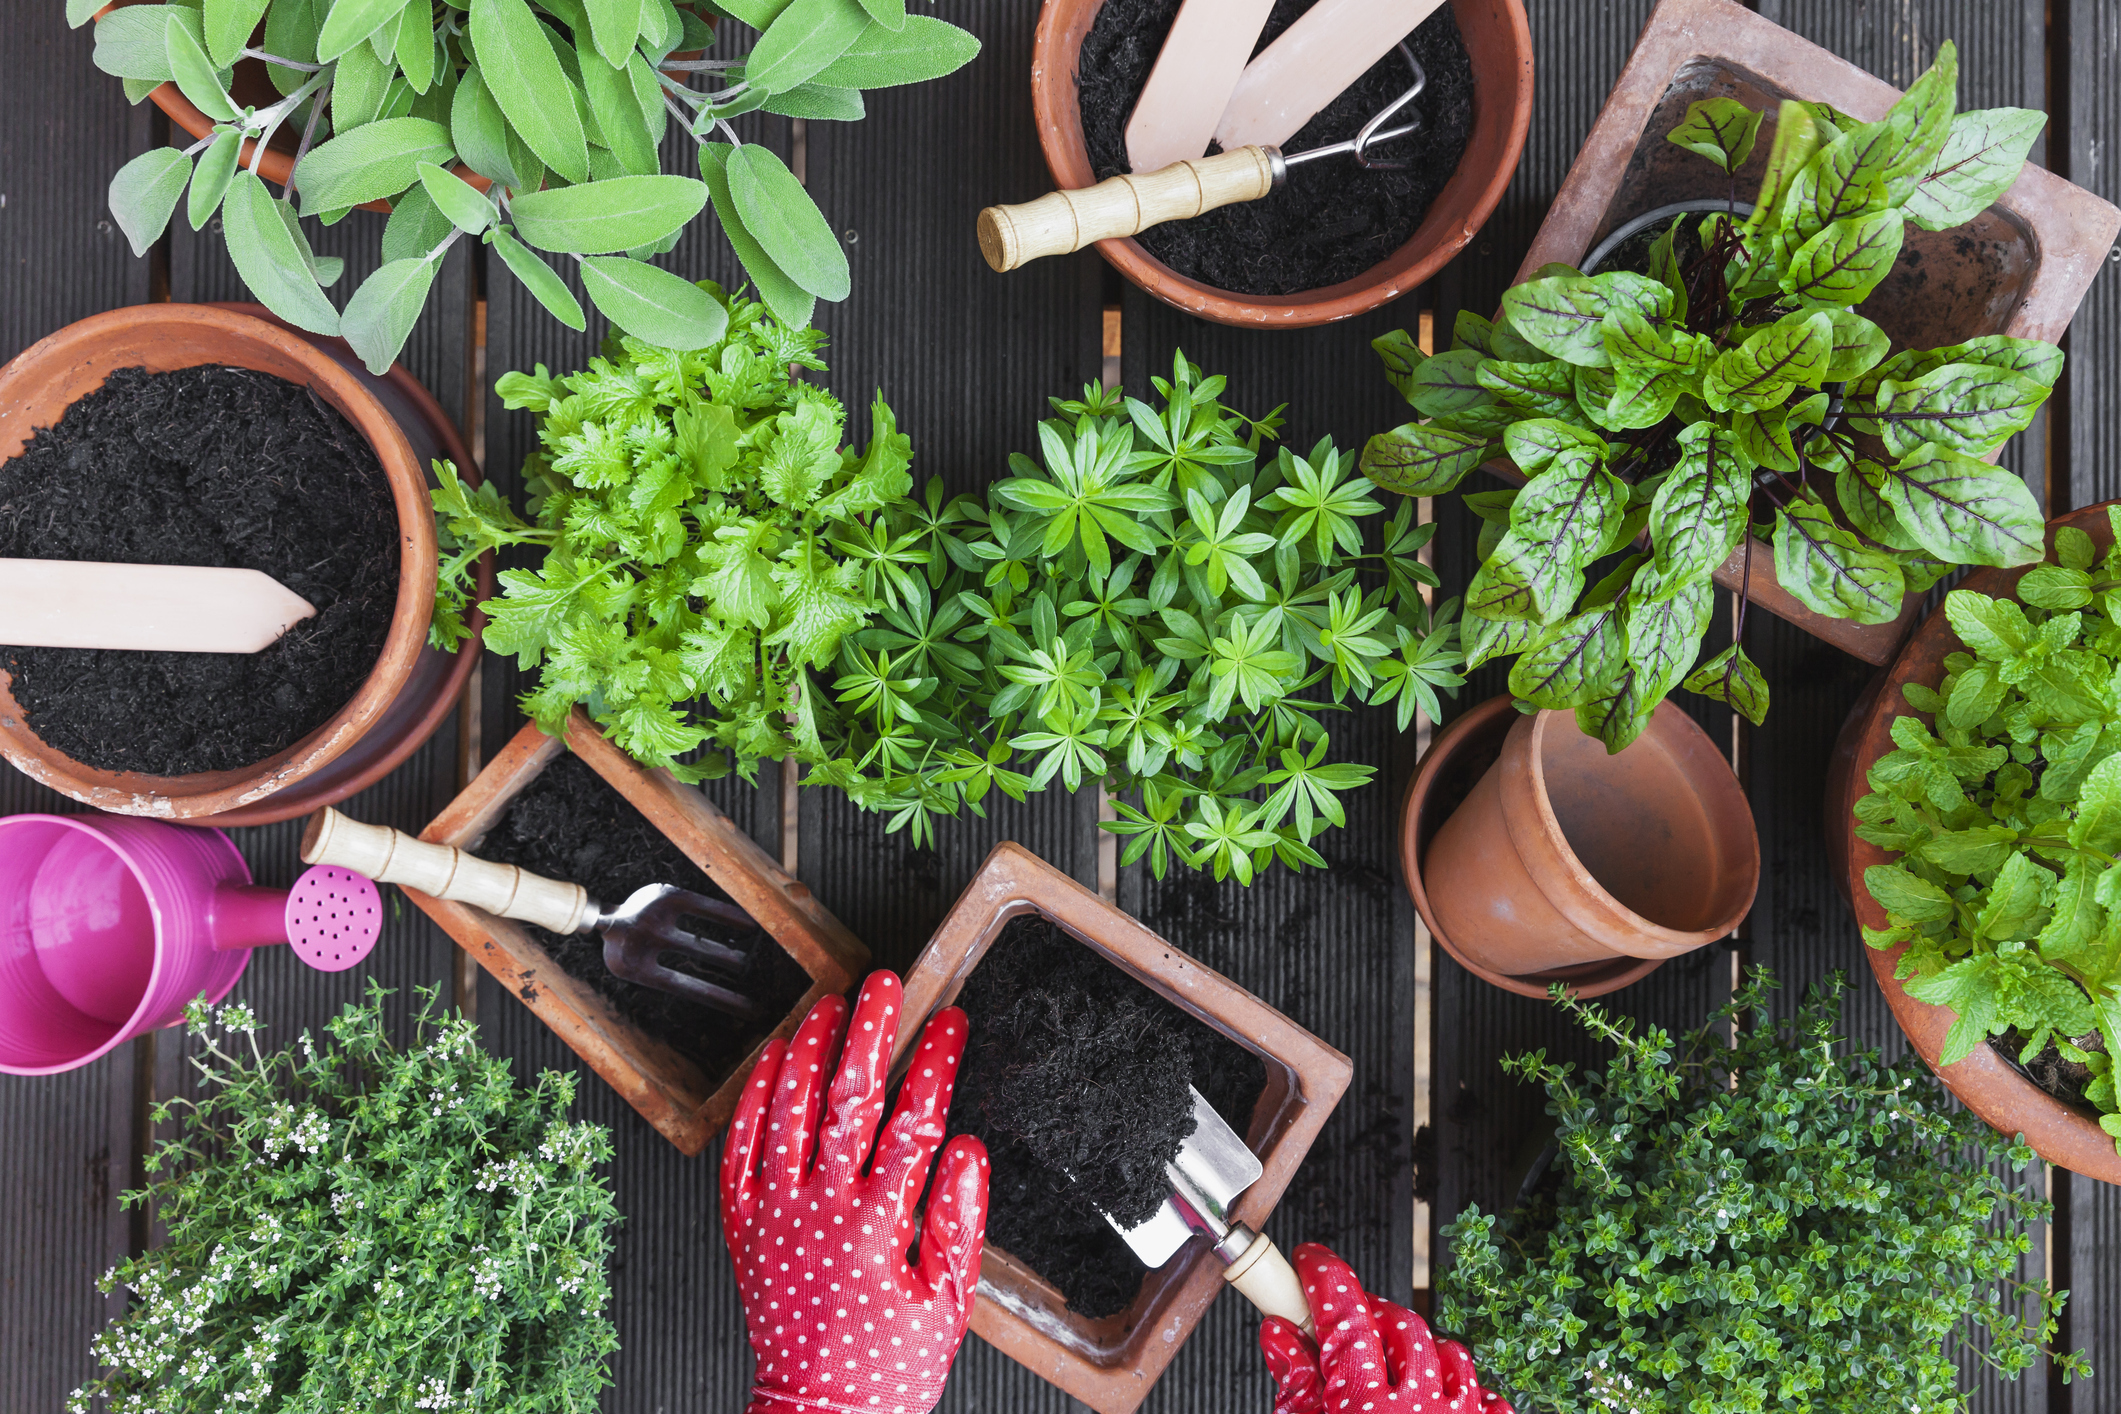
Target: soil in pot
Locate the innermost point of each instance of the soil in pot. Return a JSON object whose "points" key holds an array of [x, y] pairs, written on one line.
{"points": [[570, 824], [1332, 220], [204, 466], [2065, 1079], [1073, 1066]]}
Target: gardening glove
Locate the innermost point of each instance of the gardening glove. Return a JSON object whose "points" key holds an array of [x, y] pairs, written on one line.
{"points": [[1370, 1354], [839, 1321]]}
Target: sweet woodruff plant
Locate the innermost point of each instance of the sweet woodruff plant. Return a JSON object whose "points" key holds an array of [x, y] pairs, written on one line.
{"points": [[1659, 413], [561, 106]]}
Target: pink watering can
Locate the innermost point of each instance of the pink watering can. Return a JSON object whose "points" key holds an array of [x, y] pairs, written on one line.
{"points": [[110, 925]]}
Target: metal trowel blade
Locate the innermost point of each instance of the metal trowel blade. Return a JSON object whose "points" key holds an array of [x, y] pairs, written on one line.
{"points": [[1213, 1166]]}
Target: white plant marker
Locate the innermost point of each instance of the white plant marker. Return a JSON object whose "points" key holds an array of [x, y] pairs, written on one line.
{"points": [[1315, 60], [1195, 73], [172, 608]]}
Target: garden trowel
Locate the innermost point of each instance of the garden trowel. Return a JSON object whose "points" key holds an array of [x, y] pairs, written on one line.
{"points": [[166, 608], [1212, 1168]]}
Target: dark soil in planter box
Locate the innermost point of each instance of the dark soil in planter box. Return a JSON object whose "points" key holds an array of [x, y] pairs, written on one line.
{"points": [[216, 466], [570, 824], [1075, 1067], [1332, 220], [2065, 1079]]}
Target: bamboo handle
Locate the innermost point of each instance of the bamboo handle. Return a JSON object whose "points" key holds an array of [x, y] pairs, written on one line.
{"points": [[1062, 221], [393, 857], [1265, 1278]]}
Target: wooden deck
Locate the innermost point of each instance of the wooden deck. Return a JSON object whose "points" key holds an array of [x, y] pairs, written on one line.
{"points": [[967, 359]]}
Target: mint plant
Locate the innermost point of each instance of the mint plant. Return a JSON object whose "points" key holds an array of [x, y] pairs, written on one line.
{"points": [[2005, 809], [355, 1226], [1760, 1218], [533, 127], [1659, 414]]}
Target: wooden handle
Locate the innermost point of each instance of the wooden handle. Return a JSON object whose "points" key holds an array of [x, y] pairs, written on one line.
{"points": [[1063, 221], [1265, 1278], [393, 857]]}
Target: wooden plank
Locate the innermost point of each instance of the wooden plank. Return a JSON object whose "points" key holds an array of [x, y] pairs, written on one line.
{"points": [[66, 1141]]}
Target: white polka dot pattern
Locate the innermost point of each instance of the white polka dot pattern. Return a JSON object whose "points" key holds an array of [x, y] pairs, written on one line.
{"points": [[818, 1225], [1372, 1357]]}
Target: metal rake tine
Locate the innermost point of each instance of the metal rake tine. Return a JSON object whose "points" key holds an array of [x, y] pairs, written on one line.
{"points": [[635, 959], [684, 903]]}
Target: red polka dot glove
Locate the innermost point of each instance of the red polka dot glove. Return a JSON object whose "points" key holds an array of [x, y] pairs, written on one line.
{"points": [[840, 1322], [1370, 1355]]}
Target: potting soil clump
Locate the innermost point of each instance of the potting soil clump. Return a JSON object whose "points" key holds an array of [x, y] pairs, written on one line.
{"points": [[1075, 1068], [1332, 220], [570, 824], [211, 466]]}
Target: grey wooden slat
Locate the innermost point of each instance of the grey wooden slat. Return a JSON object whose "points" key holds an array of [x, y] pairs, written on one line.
{"points": [[66, 1141]]}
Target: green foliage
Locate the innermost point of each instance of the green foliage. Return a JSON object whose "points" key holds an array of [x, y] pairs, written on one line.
{"points": [[2005, 809], [352, 1226], [1731, 385], [562, 104], [1156, 605], [1766, 1222]]}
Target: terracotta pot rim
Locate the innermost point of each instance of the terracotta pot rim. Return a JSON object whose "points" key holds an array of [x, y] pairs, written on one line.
{"points": [[1053, 101], [210, 793]]}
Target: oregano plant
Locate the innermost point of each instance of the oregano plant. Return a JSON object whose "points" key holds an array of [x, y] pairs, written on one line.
{"points": [[1731, 384], [351, 1224], [528, 126]]}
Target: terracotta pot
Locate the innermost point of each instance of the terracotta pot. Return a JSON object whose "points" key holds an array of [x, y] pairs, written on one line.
{"points": [[685, 1106], [1499, 40], [1111, 1364], [2020, 268], [411, 688], [1565, 864], [1984, 1081]]}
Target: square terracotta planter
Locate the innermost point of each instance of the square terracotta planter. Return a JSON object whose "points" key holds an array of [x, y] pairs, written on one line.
{"points": [[1111, 1364], [2020, 268], [667, 1088]]}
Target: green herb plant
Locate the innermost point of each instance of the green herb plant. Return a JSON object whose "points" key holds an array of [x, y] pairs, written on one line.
{"points": [[355, 1226], [1731, 384], [2005, 808], [560, 105], [1761, 1220], [1159, 605]]}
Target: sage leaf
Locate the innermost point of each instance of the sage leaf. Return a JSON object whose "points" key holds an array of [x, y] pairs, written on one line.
{"points": [[1968, 407], [803, 40], [1963, 509], [132, 42], [371, 163], [891, 14], [1720, 129], [1797, 138], [194, 74], [1447, 383], [291, 28], [1795, 351], [789, 302], [483, 139], [539, 278], [360, 90], [1830, 571], [1981, 157], [217, 165], [380, 316], [80, 12], [1698, 515], [1845, 261], [1420, 459], [416, 225], [350, 22], [759, 14], [785, 222], [523, 74], [1736, 681], [226, 27], [458, 202], [617, 114], [816, 102], [881, 57], [144, 192], [612, 215], [614, 25], [648, 95], [414, 47], [271, 258], [654, 305]]}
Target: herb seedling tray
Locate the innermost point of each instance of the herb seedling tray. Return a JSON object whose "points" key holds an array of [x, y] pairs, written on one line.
{"points": [[2019, 268], [668, 1089], [1111, 1364]]}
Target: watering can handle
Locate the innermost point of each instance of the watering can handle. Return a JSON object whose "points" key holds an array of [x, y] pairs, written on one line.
{"points": [[393, 857], [1010, 236]]}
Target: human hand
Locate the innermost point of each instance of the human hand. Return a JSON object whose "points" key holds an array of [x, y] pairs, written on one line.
{"points": [[839, 1321], [1370, 1354]]}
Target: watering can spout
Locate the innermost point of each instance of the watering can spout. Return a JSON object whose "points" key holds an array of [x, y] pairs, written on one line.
{"points": [[243, 916], [331, 916]]}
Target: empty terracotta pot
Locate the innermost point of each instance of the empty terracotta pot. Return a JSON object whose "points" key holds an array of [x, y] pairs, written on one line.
{"points": [[1564, 857], [1498, 38]]}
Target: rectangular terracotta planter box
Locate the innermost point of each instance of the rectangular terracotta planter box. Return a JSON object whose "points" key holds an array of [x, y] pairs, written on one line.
{"points": [[667, 1088], [1111, 1364], [2020, 268]]}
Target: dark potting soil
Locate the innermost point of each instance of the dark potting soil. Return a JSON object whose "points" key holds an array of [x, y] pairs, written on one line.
{"points": [[1073, 1067], [570, 824], [204, 466], [2065, 1079], [1331, 220]]}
